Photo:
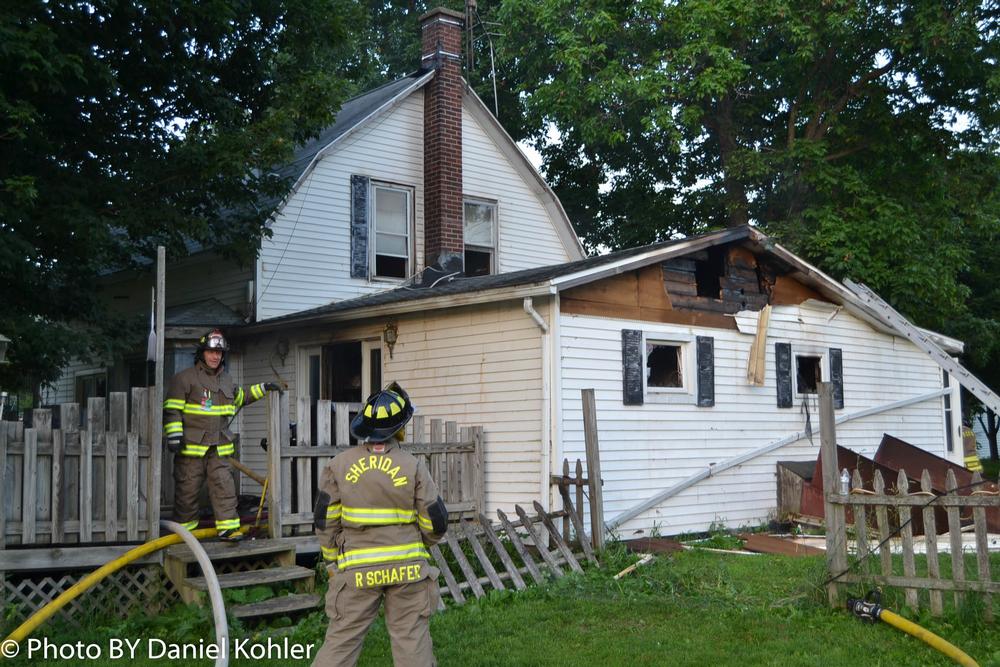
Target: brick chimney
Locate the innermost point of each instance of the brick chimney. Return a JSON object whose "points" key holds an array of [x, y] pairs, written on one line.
{"points": [[443, 208]]}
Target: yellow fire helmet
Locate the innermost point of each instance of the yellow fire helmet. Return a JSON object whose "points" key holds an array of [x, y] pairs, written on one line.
{"points": [[383, 415]]}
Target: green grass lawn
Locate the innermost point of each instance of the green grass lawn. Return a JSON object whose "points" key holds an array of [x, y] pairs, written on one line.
{"points": [[689, 608]]}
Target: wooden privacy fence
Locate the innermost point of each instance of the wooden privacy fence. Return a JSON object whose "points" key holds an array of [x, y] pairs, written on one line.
{"points": [[67, 485], [883, 518], [453, 455]]}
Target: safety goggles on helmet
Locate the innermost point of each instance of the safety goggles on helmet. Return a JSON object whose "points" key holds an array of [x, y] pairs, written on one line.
{"points": [[213, 341], [383, 415]]}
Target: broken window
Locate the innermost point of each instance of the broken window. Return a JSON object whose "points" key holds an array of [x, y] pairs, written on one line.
{"points": [[808, 374], [663, 365]]}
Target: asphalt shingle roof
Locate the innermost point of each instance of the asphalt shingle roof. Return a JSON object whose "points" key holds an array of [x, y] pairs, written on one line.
{"points": [[351, 114], [209, 313], [462, 285]]}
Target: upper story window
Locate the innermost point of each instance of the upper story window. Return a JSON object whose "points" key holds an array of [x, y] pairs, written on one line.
{"points": [[392, 251], [480, 231]]}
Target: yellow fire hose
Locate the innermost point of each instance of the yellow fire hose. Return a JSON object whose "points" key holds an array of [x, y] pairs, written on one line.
{"points": [[870, 609], [97, 575]]}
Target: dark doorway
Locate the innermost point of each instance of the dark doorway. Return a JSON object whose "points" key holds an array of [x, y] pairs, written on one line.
{"points": [[343, 372]]}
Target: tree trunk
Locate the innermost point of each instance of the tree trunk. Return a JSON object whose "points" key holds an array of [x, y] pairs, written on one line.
{"points": [[737, 205], [992, 427]]}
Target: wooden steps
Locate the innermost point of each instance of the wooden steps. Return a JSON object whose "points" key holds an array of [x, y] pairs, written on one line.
{"points": [[263, 562], [285, 604], [264, 577], [218, 551]]}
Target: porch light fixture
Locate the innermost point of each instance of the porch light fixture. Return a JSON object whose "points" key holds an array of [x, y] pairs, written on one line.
{"points": [[390, 334], [281, 349], [4, 342]]}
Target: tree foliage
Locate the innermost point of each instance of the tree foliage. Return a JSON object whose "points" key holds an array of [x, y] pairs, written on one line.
{"points": [[845, 128], [124, 125]]}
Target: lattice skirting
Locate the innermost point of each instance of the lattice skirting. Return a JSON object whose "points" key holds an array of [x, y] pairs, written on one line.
{"points": [[142, 587]]}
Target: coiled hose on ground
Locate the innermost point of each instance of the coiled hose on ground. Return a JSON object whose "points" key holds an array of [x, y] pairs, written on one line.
{"points": [[180, 534]]}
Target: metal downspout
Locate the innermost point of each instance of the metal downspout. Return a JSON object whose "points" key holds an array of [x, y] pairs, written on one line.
{"points": [[546, 381]]}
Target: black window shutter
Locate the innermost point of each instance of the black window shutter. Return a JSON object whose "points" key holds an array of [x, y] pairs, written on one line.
{"points": [[783, 367], [632, 367], [359, 226], [837, 377], [706, 371]]}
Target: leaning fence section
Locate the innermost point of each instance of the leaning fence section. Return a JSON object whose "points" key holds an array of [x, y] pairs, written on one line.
{"points": [[63, 482], [453, 455], [477, 555]]}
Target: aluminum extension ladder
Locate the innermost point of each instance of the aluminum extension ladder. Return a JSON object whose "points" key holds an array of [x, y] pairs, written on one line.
{"points": [[883, 311]]}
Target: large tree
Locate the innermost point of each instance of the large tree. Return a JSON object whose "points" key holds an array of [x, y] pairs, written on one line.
{"points": [[849, 129], [124, 125]]}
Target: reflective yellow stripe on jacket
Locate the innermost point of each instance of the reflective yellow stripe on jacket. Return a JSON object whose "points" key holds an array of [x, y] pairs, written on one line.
{"points": [[377, 555], [196, 409], [329, 554], [973, 463], [377, 516], [333, 511]]}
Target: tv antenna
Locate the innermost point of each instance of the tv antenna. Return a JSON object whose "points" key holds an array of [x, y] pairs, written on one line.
{"points": [[486, 29]]}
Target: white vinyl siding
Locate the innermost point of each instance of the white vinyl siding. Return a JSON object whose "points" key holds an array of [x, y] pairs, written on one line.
{"points": [[526, 233], [480, 365], [647, 449], [477, 365], [306, 263]]}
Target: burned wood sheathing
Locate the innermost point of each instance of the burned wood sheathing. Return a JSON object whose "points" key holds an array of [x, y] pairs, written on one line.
{"points": [[725, 279], [701, 288]]}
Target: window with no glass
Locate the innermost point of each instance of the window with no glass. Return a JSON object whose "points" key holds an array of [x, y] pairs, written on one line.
{"points": [[808, 374], [480, 231], [663, 365], [391, 212]]}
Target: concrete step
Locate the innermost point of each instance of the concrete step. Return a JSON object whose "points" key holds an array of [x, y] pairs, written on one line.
{"points": [[272, 575], [231, 550], [285, 604]]}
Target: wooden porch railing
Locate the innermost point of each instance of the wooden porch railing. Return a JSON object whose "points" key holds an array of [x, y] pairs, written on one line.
{"points": [[453, 456]]}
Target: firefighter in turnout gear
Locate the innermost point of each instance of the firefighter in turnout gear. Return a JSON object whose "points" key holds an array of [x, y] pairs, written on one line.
{"points": [[972, 461], [201, 402], [378, 510]]}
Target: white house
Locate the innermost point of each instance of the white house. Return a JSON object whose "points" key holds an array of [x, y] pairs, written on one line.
{"points": [[664, 335], [418, 214]]}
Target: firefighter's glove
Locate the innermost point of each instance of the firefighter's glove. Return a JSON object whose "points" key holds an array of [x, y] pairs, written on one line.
{"points": [[174, 443], [272, 386]]}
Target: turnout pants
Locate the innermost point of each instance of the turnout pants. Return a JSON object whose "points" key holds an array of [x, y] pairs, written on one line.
{"points": [[408, 608], [190, 473]]}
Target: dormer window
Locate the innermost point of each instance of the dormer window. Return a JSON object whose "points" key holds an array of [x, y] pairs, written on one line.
{"points": [[480, 232]]}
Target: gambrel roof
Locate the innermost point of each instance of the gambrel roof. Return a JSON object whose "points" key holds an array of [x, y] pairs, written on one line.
{"points": [[365, 108]]}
